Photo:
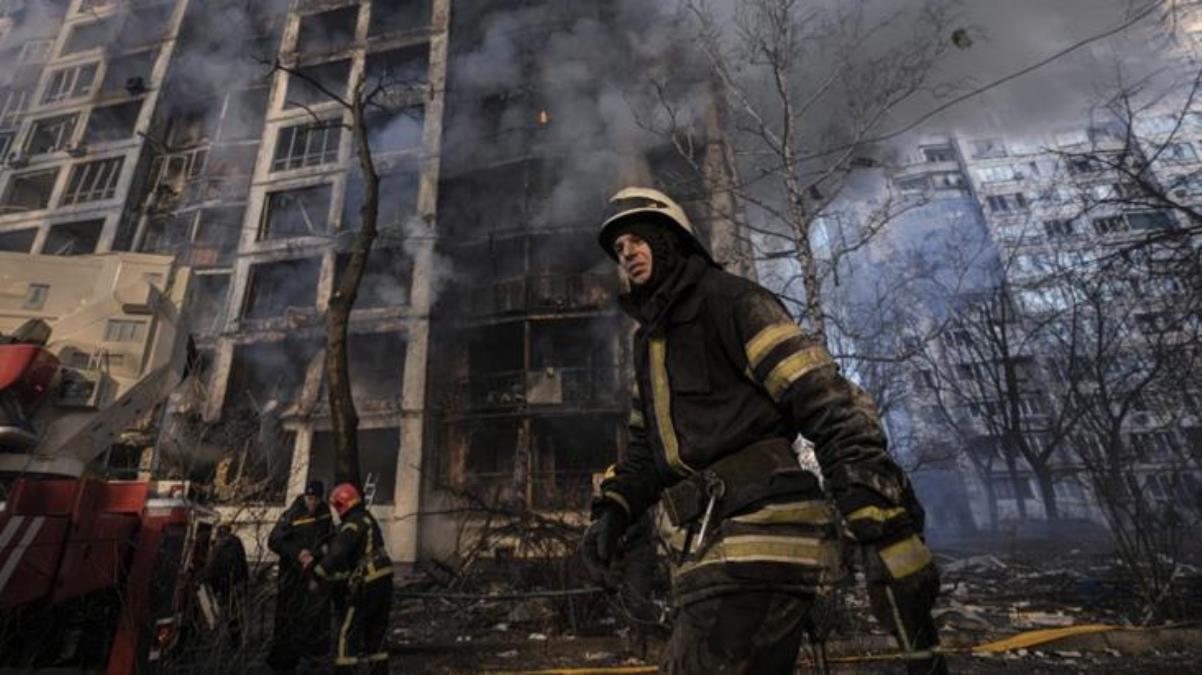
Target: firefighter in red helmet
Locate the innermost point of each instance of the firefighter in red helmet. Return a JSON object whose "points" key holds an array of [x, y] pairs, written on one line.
{"points": [[357, 565]]}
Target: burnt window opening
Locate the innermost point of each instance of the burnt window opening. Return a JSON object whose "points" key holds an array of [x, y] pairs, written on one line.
{"points": [[302, 212], [306, 85], [217, 236], [168, 234], [73, 238], [51, 134], [379, 451], [396, 131], [496, 368], [397, 198], [208, 303], [386, 278], [573, 362], [18, 241], [567, 451], [252, 472], [490, 453], [400, 75], [376, 363], [129, 74], [305, 145], [277, 286], [398, 16], [244, 115], [69, 83], [265, 372], [231, 160], [193, 124], [327, 31], [89, 36], [112, 123], [568, 271], [29, 191], [93, 181], [145, 25]]}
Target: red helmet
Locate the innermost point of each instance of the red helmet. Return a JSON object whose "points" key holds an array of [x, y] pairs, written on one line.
{"points": [[343, 497]]}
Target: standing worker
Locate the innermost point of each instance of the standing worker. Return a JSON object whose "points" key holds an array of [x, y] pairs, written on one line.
{"points": [[302, 619], [226, 574], [357, 565], [726, 381]]}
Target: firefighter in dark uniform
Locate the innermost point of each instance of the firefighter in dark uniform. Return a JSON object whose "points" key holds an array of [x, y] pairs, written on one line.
{"points": [[726, 380], [358, 568], [302, 619]]}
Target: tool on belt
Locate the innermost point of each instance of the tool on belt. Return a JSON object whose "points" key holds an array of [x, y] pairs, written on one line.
{"points": [[734, 483]]}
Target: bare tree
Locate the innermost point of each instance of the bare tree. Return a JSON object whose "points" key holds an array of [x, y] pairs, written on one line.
{"points": [[799, 93]]}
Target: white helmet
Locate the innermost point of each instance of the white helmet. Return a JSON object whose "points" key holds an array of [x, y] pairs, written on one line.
{"points": [[657, 207]]}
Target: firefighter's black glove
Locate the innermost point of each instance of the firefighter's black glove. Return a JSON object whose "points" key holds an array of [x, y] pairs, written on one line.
{"points": [[902, 586], [599, 546]]}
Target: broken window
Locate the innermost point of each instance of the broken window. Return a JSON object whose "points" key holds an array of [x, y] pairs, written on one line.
{"points": [[379, 454], [573, 360], [377, 365], [68, 83], [397, 198], [244, 115], [385, 280], [208, 303], [263, 372], [296, 213], [276, 286], [567, 451], [307, 145], [6, 142], [12, 104], [326, 31], [491, 449], [93, 181], [88, 36], [167, 234], [18, 241], [217, 236], [400, 74], [397, 16], [129, 74], [306, 85], [396, 131], [193, 124], [112, 123], [73, 238], [51, 134], [145, 25], [567, 273], [29, 191]]}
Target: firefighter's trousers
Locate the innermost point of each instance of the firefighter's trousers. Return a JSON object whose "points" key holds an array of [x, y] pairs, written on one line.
{"points": [[363, 628]]}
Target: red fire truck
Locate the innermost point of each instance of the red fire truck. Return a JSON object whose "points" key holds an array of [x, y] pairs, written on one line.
{"points": [[94, 572]]}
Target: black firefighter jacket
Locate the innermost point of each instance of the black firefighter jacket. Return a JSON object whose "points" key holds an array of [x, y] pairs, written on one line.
{"points": [[720, 365], [356, 554], [302, 619]]}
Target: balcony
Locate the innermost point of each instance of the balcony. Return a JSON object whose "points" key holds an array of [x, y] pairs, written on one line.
{"points": [[543, 293], [574, 386]]}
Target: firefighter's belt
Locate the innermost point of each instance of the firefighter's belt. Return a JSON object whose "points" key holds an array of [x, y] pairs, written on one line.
{"points": [[755, 473]]}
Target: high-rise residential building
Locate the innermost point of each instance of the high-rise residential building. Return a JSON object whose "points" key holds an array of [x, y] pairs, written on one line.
{"points": [[1047, 210], [488, 359]]}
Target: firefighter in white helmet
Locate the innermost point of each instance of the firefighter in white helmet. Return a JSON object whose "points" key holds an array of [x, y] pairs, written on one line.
{"points": [[726, 380]]}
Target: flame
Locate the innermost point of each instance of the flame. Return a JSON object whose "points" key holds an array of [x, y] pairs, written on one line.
{"points": [[544, 118]]}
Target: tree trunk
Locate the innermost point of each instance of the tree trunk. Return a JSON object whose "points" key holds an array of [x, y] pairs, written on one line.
{"points": [[1016, 484], [1047, 492], [344, 419]]}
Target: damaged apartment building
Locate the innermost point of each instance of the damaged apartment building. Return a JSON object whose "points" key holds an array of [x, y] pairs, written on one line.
{"points": [[488, 358]]}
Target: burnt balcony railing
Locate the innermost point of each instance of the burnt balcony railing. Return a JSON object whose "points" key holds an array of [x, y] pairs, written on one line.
{"points": [[543, 293], [582, 386]]}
